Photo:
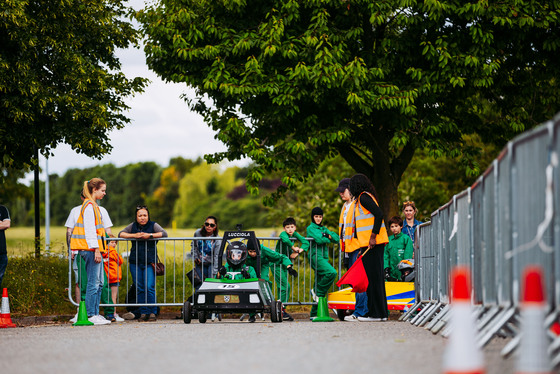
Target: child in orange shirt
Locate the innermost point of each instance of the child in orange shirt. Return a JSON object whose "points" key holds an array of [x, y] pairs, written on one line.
{"points": [[112, 262]]}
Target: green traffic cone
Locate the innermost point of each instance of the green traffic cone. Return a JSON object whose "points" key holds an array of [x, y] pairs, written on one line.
{"points": [[82, 316], [322, 311]]}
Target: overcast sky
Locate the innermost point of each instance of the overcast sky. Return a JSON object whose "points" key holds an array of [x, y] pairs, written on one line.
{"points": [[162, 126]]}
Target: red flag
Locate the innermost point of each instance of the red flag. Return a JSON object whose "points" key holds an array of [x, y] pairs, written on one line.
{"points": [[356, 277]]}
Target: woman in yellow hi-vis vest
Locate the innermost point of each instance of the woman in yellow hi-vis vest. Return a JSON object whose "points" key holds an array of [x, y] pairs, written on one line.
{"points": [[364, 223], [88, 238]]}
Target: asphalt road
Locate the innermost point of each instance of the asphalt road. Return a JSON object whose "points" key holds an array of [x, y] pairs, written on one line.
{"points": [[231, 346]]}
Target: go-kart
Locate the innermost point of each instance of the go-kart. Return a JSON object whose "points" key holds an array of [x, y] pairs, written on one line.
{"points": [[222, 296], [400, 296]]}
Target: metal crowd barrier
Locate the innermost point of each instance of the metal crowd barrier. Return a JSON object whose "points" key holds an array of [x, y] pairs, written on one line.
{"points": [[508, 219], [174, 288]]}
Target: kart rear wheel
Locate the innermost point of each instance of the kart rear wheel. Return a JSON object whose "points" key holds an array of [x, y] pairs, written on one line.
{"points": [[202, 317], [279, 311], [276, 311], [187, 311]]}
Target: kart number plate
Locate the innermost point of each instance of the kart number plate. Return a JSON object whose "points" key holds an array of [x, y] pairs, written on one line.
{"points": [[226, 299]]}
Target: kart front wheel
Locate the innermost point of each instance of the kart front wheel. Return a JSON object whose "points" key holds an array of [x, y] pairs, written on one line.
{"points": [[202, 317], [187, 310]]}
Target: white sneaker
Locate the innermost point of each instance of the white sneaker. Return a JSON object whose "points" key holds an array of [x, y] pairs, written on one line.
{"points": [[118, 318], [371, 319], [314, 295], [98, 320], [351, 318], [75, 318]]}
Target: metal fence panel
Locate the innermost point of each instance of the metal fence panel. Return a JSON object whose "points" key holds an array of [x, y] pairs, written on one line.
{"points": [[503, 230], [506, 221], [174, 288], [531, 213], [554, 159], [477, 237], [463, 229], [488, 238], [424, 261], [446, 256]]}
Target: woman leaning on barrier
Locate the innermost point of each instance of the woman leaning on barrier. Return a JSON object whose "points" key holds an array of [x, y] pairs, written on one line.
{"points": [[143, 253], [369, 236]]}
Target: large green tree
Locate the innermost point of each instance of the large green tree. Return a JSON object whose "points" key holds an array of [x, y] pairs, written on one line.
{"points": [[60, 80], [292, 82]]}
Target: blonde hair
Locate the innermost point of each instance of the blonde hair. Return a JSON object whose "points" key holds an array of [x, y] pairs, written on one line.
{"points": [[90, 185], [410, 203]]}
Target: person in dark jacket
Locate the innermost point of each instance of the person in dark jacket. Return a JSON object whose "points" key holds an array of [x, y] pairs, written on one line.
{"points": [[143, 254], [367, 233]]}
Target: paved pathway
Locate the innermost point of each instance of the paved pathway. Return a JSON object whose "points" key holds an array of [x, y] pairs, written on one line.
{"points": [[230, 346]]}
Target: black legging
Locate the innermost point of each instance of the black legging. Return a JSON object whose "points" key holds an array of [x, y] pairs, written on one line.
{"points": [[377, 298]]}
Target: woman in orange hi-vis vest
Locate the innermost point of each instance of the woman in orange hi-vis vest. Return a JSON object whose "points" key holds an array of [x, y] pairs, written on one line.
{"points": [[365, 220], [88, 238]]}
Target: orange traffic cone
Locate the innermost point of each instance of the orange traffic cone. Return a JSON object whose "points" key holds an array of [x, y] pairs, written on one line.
{"points": [[533, 346], [5, 319], [462, 354]]}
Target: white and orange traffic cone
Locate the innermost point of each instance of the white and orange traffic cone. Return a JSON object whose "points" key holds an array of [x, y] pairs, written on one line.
{"points": [[532, 354], [5, 319], [462, 354]]}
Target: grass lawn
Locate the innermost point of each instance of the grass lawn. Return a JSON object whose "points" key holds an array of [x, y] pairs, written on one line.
{"points": [[20, 240]]}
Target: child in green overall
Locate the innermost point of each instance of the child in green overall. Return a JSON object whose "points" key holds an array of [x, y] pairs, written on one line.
{"points": [[268, 258], [286, 245], [399, 248], [325, 274]]}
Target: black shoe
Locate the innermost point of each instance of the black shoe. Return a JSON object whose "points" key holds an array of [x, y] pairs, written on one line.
{"points": [[143, 317], [286, 316], [252, 318]]}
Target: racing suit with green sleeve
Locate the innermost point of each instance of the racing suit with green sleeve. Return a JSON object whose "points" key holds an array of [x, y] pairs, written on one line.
{"points": [[234, 272], [325, 274], [279, 263]]}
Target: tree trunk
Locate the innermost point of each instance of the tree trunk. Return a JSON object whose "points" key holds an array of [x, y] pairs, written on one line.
{"points": [[387, 191]]}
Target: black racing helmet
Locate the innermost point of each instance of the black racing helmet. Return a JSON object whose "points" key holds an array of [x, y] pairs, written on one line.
{"points": [[236, 253]]}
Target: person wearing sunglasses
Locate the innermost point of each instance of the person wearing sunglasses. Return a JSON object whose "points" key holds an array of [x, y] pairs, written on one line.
{"points": [[205, 252], [410, 222]]}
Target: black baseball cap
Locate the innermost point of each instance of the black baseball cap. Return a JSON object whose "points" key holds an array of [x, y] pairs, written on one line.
{"points": [[342, 185]]}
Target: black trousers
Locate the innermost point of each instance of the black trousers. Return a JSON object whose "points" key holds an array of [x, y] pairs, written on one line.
{"points": [[377, 298]]}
